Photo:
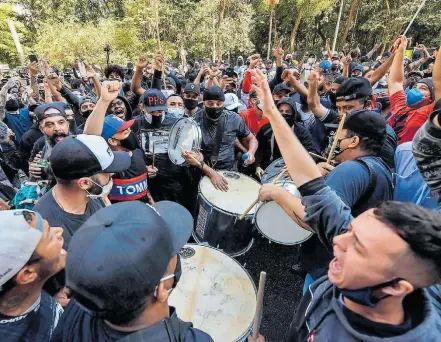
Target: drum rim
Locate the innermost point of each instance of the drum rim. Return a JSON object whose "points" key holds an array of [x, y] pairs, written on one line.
{"points": [[232, 255], [277, 241], [196, 138], [248, 330], [220, 209], [264, 172]]}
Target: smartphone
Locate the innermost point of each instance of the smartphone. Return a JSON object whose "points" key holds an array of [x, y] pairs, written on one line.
{"points": [[33, 58], [230, 72]]}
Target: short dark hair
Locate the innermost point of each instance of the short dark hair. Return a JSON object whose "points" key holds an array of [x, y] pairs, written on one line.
{"points": [[65, 182], [75, 83], [112, 68], [372, 145], [418, 226]]}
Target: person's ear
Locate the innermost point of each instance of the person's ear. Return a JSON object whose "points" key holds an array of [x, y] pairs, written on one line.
{"points": [[354, 142], [27, 275], [162, 293], [368, 104], [400, 289], [112, 142], [84, 183]]}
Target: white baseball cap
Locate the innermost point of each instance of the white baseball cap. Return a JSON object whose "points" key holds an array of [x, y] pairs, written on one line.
{"points": [[18, 240], [231, 101]]}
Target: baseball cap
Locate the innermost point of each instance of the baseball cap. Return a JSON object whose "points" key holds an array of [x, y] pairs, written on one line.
{"points": [[170, 81], [122, 251], [41, 109], [231, 101], [325, 65], [85, 155], [154, 100], [192, 88], [359, 68], [213, 93], [366, 123], [281, 87], [18, 240], [113, 124], [354, 88]]}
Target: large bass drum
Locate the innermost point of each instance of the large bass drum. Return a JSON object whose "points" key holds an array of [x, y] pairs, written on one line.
{"points": [[276, 225], [218, 213], [185, 134], [215, 293]]}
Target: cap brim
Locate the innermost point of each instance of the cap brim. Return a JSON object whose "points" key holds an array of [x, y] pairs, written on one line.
{"points": [[126, 125], [121, 162], [179, 222], [156, 108], [233, 106]]}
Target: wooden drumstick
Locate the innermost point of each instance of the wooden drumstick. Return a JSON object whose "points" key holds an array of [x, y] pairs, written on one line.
{"points": [[320, 157], [337, 134], [259, 305], [245, 213], [153, 158], [189, 155]]}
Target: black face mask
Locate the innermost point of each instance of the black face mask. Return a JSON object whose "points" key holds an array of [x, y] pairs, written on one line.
{"points": [[364, 296], [334, 68], [86, 113], [178, 271], [338, 150], [213, 114], [190, 104], [72, 126], [240, 62], [12, 105], [156, 120], [384, 102], [41, 93], [290, 119], [129, 143]]}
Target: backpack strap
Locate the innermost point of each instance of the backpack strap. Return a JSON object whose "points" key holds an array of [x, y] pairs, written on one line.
{"points": [[371, 187]]}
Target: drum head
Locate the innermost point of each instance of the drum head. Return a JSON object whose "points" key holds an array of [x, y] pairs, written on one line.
{"points": [[273, 170], [275, 224], [215, 293], [184, 133], [242, 191]]}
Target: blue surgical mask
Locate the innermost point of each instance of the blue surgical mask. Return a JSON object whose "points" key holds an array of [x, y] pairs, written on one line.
{"points": [[364, 296], [414, 97], [175, 112]]}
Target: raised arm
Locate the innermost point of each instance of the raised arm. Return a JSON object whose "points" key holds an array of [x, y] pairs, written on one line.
{"points": [[436, 76], [381, 70], [288, 77], [396, 76], [328, 49], [313, 98], [95, 121], [346, 61], [136, 79]]}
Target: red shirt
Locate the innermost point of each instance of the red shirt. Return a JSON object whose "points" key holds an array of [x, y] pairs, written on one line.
{"points": [[405, 120], [250, 118]]}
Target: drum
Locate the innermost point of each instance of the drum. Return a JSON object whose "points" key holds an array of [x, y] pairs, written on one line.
{"points": [[273, 170], [218, 213], [186, 134], [276, 225], [215, 293]]}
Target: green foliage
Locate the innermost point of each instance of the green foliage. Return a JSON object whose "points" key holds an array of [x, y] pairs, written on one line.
{"points": [[8, 52]]}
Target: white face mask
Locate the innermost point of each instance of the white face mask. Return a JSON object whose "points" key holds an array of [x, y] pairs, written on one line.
{"points": [[175, 112], [105, 190], [167, 92], [310, 60]]}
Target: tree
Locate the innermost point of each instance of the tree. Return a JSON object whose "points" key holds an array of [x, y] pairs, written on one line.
{"points": [[349, 22], [8, 51]]}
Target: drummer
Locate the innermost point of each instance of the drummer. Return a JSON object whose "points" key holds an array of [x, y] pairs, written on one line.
{"points": [[220, 128]]}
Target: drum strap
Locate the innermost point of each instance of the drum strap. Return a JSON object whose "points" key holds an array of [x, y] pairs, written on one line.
{"points": [[273, 142], [218, 139]]}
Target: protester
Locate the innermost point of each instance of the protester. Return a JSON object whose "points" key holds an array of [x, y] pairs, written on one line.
{"points": [[31, 253], [191, 99], [253, 116]]}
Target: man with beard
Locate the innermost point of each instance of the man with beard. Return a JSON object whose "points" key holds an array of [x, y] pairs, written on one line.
{"points": [[268, 150], [31, 252]]}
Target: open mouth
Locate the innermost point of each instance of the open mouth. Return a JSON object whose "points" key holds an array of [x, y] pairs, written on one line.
{"points": [[334, 266], [63, 251], [119, 110], [58, 138]]}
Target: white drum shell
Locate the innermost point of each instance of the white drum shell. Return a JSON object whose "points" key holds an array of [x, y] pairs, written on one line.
{"points": [[184, 133]]}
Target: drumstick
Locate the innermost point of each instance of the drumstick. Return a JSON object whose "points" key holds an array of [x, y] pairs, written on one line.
{"points": [[259, 305], [153, 158], [257, 200], [337, 134], [320, 157], [189, 155]]}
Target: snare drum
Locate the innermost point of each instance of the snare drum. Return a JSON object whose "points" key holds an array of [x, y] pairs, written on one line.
{"points": [[276, 225], [215, 293], [273, 170], [185, 133], [218, 213]]}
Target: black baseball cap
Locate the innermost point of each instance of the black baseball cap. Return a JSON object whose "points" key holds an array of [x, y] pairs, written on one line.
{"points": [[366, 123], [192, 88], [354, 88], [213, 93], [170, 81], [86, 155], [41, 109], [154, 100], [281, 87], [122, 251]]}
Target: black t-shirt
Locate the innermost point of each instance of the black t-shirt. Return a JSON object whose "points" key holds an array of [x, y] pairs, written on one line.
{"points": [[57, 217], [35, 325], [234, 127], [131, 184], [76, 325], [28, 140]]}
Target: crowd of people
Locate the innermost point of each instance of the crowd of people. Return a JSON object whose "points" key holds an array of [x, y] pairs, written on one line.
{"points": [[94, 212]]}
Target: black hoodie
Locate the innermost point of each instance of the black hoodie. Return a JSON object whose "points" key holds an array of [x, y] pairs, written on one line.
{"points": [[268, 149]]}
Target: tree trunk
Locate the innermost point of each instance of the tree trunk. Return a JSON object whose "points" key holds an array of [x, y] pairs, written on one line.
{"points": [[349, 22], [270, 33], [222, 6], [295, 30]]}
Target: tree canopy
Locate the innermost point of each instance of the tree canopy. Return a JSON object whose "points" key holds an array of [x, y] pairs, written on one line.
{"points": [[69, 30]]}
